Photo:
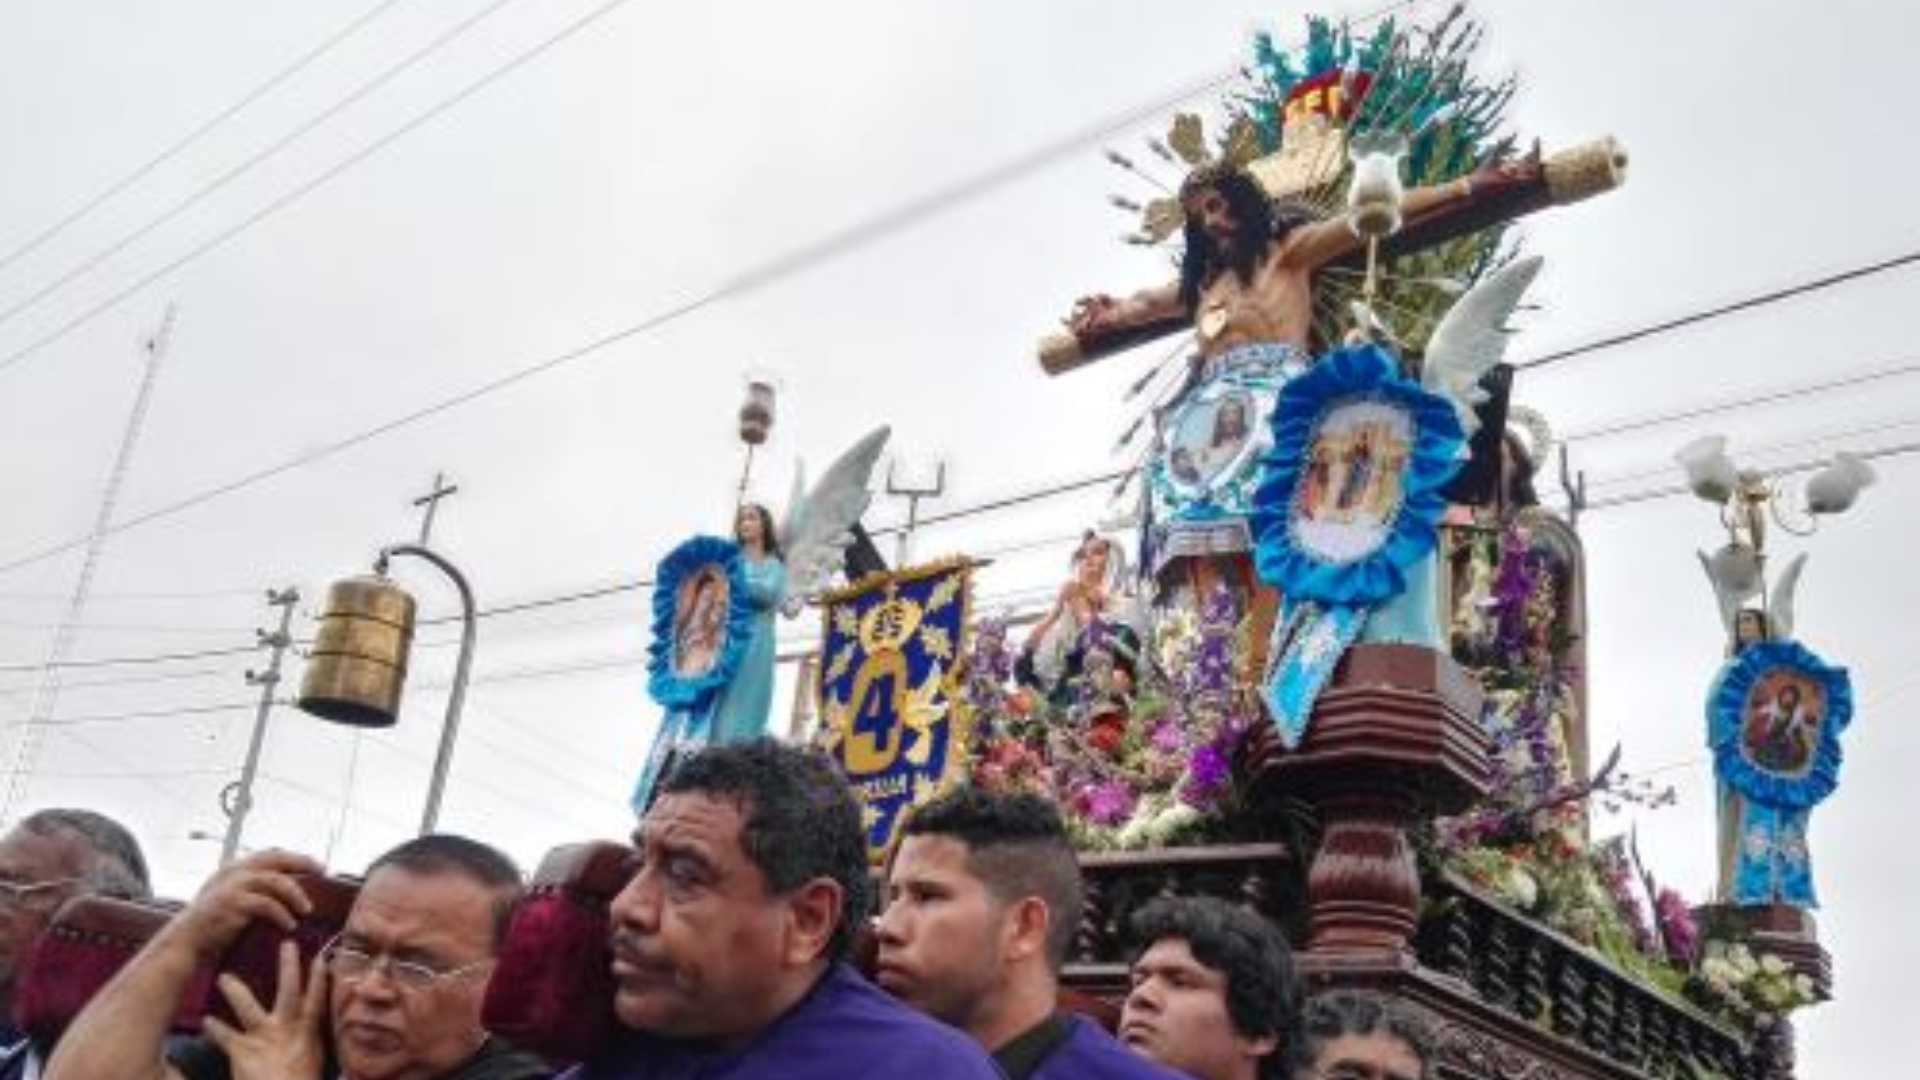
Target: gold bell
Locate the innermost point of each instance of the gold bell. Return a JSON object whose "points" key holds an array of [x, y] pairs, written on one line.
{"points": [[358, 664]]}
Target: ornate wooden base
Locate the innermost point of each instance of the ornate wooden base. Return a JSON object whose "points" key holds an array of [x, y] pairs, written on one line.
{"points": [[1394, 737], [1774, 930]]}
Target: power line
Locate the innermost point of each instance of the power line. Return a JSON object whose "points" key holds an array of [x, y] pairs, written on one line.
{"points": [[105, 597], [806, 257], [1669, 491], [148, 658], [1854, 432], [247, 164], [132, 680], [125, 717], [127, 628], [220, 238], [1757, 300], [173, 149], [1896, 370]]}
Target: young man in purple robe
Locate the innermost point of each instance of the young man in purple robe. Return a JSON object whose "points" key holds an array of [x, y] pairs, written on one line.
{"points": [[983, 898], [1213, 994], [730, 943]]}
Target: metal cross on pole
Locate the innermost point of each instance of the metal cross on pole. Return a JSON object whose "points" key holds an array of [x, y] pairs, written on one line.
{"points": [[430, 503]]}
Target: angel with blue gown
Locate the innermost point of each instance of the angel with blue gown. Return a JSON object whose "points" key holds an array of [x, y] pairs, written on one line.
{"points": [[769, 570], [740, 711]]}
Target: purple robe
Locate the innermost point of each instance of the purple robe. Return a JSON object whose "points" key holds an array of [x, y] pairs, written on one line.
{"points": [[1090, 1052], [844, 1027]]}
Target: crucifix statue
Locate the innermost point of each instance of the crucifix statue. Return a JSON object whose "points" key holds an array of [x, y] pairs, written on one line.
{"points": [[1255, 250]]}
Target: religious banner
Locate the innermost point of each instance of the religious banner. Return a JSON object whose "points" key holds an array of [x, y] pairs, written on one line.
{"points": [[1212, 438], [1774, 719], [702, 622], [891, 707], [1347, 507]]}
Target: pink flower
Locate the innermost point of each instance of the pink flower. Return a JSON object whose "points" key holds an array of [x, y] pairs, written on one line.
{"points": [[1108, 802]]}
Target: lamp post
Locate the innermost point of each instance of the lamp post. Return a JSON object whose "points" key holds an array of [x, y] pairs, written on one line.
{"points": [[358, 665], [1749, 501]]}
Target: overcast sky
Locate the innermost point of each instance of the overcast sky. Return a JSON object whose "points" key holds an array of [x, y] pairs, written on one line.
{"points": [[640, 178]]}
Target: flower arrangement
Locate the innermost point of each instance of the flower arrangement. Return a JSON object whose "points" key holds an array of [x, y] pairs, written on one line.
{"points": [[1735, 983], [1134, 760]]}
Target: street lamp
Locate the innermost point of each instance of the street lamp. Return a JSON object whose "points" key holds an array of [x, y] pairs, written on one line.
{"points": [[358, 665], [1748, 500]]}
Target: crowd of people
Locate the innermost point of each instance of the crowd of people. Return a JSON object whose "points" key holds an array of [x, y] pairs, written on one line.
{"points": [[732, 946]]}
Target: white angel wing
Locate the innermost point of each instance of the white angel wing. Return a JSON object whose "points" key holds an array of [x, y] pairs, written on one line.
{"points": [[1734, 573], [1780, 602], [1472, 337], [816, 537]]}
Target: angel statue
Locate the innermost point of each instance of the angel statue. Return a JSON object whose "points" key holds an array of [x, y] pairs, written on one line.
{"points": [[1350, 497], [1775, 709], [714, 605]]}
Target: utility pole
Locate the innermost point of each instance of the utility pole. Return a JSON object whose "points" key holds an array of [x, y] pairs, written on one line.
{"points": [[278, 641], [27, 749], [913, 493]]}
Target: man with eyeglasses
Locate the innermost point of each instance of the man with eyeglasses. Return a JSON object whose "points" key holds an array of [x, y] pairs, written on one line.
{"points": [[398, 993], [46, 860]]}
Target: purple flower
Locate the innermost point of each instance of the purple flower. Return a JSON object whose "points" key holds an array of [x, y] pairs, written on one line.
{"points": [[1206, 776], [1679, 933], [1167, 737], [1108, 802]]}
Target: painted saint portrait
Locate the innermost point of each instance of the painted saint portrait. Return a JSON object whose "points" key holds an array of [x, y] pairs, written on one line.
{"points": [[699, 621], [1210, 437], [1350, 488], [1780, 727]]}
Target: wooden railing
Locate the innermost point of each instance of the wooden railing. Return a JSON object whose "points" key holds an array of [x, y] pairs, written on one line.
{"points": [[1264, 877], [1539, 976]]}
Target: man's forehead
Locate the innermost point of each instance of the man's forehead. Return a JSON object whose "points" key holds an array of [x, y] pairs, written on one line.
{"points": [[27, 853], [401, 906], [696, 818], [929, 856], [1175, 954]]}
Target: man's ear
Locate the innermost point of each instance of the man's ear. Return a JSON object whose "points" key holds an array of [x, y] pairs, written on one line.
{"points": [[1025, 929], [1260, 1047], [813, 914]]}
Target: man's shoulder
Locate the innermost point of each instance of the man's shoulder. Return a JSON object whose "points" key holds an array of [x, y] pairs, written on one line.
{"points": [[1090, 1052], [859, 1019], [846, 1027]]}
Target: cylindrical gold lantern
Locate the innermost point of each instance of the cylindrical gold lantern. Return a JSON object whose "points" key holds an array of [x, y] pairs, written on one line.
{"points": [[358, 664]]}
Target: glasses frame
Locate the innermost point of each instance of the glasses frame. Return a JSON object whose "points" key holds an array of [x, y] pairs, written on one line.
{"points": [[19, 895], [408, 975]]}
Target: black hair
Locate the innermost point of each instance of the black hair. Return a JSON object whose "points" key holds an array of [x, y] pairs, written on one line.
{"points": [[1337, 1013], [115, 866], [800, 820], [444, 853], [1251, 211], [1520, 490], [1263, 998], [769, 539], [1017, 846]]}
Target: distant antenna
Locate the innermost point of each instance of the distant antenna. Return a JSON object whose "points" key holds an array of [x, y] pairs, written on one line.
{"points": [[27, 748], [913, 493]]}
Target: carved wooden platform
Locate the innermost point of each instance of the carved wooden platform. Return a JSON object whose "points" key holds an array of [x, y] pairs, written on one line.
{"points": [[1396, 738]]}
